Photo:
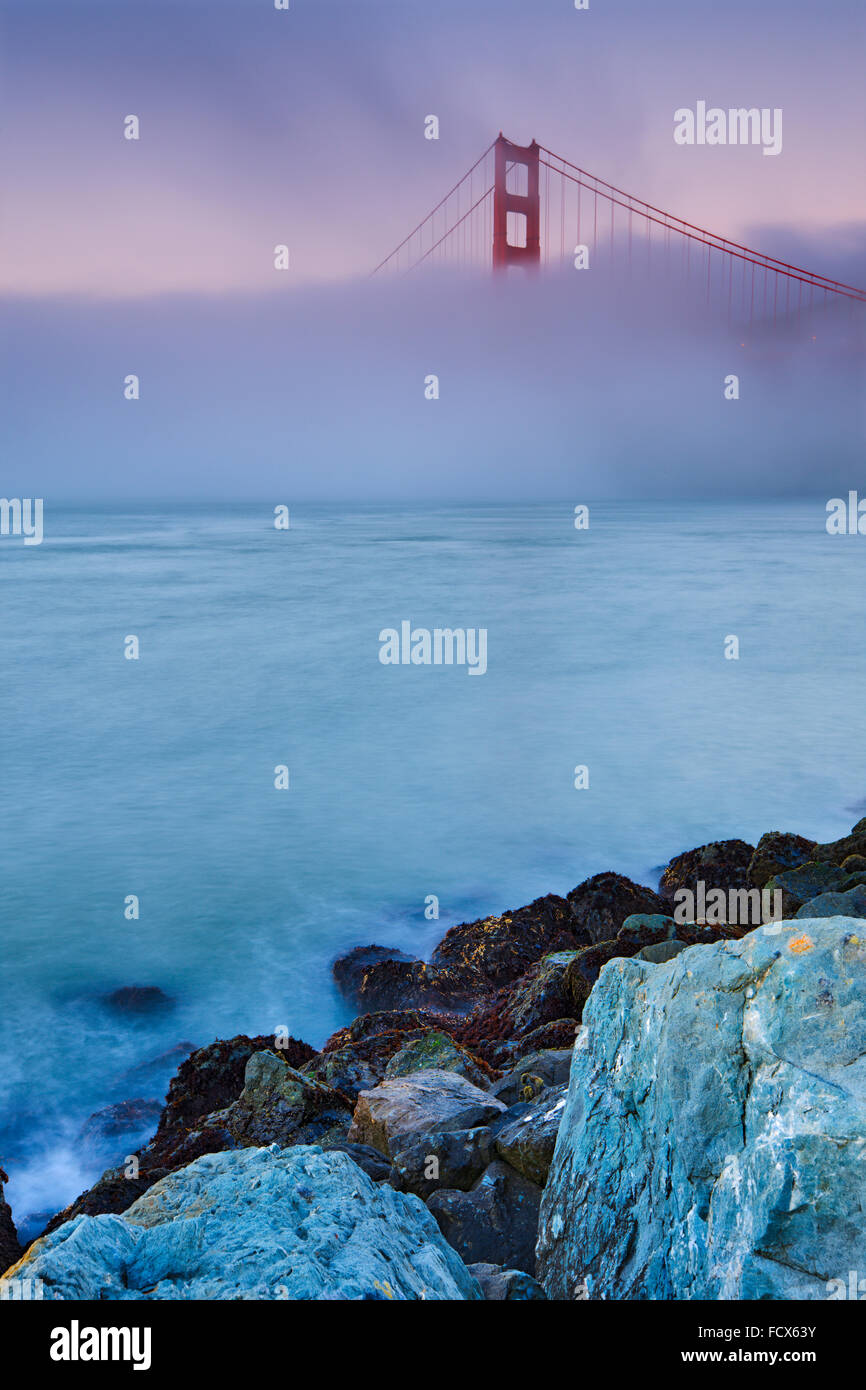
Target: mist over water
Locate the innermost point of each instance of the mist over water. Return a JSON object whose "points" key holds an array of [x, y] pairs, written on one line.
{"points": [[602, 383], [259, 647]]}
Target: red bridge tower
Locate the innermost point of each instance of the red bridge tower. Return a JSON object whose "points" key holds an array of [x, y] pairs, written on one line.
{"points": [[528, 204]]}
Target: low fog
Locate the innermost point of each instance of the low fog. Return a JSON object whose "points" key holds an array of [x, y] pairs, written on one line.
{"points": [[575, 384]]}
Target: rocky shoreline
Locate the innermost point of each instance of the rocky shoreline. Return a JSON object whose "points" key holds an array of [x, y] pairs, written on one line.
{"points": [[580, 1098]]}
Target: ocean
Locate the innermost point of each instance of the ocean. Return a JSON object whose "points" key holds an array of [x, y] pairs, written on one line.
{"points": [[259, 649]]}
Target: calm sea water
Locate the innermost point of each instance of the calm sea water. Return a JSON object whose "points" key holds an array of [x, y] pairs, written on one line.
{"points": [[259, 647]]}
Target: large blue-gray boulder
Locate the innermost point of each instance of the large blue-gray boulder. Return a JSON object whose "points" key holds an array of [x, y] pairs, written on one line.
{"points": [[266, 1223], [713, 1143]]}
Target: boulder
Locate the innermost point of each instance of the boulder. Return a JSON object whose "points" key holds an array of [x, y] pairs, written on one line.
{"points": [[850, 904], [712, 1141], [459, 1157], [776, 852], [10, 1249], [280, 1105], [721, 864], [527, 1142], [601, 904], [494, 1223], [426, 1100], [256, 1224], [500, 1285]]}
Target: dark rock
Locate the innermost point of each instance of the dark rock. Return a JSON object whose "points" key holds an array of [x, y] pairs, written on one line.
{"points": [[601, 904], [556, 1036], [494, 1223], [494, 951], [722, 864], [100, 1134], [153, 1075], [850, 904], [774, 853], [646, 929], [395, 984], [349, 970], [459, 1157], [374, 1164], [839, 850], [136, 1000], [500, 1285], [532, 1073], [855, 863], [807, 881], [527, 1141], [10, 1250]]}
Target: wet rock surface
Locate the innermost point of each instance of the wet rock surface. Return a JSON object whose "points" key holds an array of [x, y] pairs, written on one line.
{"points": [[711, 1141]]}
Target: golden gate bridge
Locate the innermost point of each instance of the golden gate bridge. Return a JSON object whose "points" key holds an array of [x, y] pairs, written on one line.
{"points": [[523, 205]]}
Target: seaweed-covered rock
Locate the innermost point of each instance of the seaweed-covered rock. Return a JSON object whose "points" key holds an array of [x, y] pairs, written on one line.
{"points": [[213, 1076], [776, 852], [406, 984], [257, 1224], [436, 1051], [348, 970], [601, 904], [492, 952], [424, 1101], [495, 1222], [357, 1058], [721, 864], [712, 1141]]}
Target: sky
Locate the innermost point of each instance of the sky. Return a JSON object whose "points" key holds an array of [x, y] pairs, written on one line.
{"points": [[305, 127]]}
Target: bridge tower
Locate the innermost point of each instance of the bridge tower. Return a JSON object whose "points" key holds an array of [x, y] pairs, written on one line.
{"points": [[504, 202]]}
